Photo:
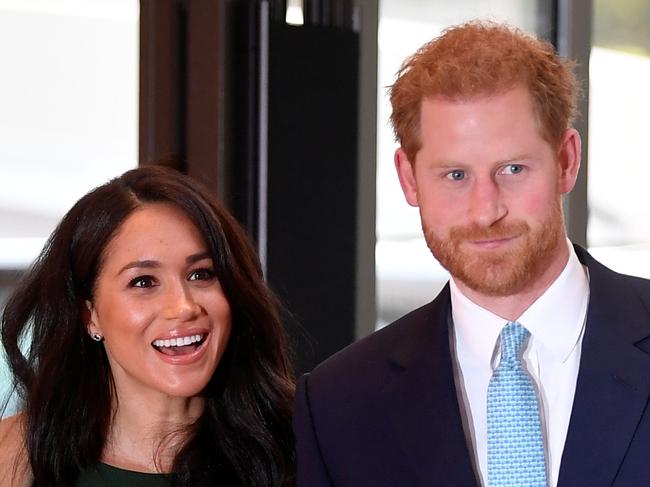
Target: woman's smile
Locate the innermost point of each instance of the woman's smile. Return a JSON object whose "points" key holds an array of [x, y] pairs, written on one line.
{"points": [[159, 305]]}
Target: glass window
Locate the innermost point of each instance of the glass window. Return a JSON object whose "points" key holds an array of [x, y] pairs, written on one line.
{"points": [[407, 274], [68, 116], [618, 229], [68, 121]]}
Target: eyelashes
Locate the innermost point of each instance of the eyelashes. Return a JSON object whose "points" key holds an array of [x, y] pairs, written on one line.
{"points": [[149, 281], [142, 282], [203, 274]]}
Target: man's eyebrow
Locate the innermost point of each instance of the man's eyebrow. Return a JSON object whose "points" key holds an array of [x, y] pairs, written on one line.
{"points": [[518, 157], [447, 163]]}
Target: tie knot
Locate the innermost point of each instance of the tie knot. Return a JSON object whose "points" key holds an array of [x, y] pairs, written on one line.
{"points": [[513, 337]]}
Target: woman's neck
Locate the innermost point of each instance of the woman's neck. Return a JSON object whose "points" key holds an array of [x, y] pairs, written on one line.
{"points": [[146, 433]]}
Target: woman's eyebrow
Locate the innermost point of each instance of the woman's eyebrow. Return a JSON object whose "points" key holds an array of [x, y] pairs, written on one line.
{"points": [[150, 264], [196, 257], [147, 264]]}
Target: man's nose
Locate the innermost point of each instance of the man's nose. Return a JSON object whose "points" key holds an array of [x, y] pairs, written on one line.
{"points": [[486, 205]]}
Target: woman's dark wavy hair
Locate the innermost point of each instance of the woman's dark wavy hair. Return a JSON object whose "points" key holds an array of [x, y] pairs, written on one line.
{"points": [[64, 380]]}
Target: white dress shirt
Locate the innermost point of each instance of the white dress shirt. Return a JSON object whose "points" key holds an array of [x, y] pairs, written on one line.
{"points": [[556, 322]]}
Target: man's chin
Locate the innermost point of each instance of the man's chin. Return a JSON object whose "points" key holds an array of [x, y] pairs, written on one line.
{"points": [[495, 287], [493, 271], [502, 260], [492, 277]]}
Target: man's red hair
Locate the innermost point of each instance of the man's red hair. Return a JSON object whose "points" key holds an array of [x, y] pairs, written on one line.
{"points": [[482, 59]]}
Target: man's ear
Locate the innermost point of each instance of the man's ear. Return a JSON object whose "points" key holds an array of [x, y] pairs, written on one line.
{"points": [[406, 174], [569, 155]]}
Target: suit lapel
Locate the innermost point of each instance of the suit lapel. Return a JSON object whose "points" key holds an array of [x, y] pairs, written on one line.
{"points": [[613, 382], [422, 402]]}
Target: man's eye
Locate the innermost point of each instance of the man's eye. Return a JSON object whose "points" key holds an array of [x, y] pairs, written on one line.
{"points": [[201, 275], [456, 175], [513, 169], [142, 282]]}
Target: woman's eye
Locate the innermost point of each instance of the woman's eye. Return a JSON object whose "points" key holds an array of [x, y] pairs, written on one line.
{"points": [[513, 169], [456, 175], [201, 275], [142, 282]]}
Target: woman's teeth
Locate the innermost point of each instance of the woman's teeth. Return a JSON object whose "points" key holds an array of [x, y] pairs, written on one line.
{"points": [[178, 342]]}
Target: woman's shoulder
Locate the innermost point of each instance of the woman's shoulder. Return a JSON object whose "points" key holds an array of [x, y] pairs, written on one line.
{"points": [[14, 471], [12, 437]]}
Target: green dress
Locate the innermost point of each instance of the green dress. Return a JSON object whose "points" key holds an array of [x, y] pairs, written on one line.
{"points": [[103, 475]]}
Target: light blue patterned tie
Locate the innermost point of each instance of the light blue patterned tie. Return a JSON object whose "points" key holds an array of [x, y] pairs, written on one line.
{"points": [[515, 443]]}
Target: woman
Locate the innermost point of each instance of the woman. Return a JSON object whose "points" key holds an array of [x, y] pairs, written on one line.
{"points": [[156, 354]]}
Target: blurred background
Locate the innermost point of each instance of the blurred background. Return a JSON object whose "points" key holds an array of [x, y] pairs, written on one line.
{"points": [[280, 107]]}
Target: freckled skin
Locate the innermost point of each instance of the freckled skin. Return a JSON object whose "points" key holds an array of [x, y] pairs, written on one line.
{"points": [[162, 294], [489, 188]]}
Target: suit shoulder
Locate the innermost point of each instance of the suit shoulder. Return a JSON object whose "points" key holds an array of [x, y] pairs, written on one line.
{"points": [[638, 282], [365, 361], [379, 343], [601, 271], [640, 286], [603, 276]]}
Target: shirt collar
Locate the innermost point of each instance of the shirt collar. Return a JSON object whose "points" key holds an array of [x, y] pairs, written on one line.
{"points": [[555, 320]]}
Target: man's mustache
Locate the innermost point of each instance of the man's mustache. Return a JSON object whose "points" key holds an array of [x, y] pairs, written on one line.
{"points": [[497, 231]]}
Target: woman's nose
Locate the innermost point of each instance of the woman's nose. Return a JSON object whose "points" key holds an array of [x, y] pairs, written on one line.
{"points": [[180, 303]]}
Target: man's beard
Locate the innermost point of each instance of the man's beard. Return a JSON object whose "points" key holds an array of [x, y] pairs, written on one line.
{"points": [[499, 272]]}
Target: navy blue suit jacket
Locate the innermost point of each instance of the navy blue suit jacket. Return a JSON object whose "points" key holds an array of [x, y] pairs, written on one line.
{"points": [[384, 411]]}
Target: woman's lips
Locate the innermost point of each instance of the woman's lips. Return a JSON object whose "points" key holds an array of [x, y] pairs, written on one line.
{"points": [[177, 341], [181, 349]]}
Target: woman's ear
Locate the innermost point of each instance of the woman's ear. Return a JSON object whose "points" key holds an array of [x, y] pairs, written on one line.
{"points": [[89, 317]]}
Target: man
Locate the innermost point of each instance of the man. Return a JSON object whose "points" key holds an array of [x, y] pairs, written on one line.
{"points": [[532, 366]]}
